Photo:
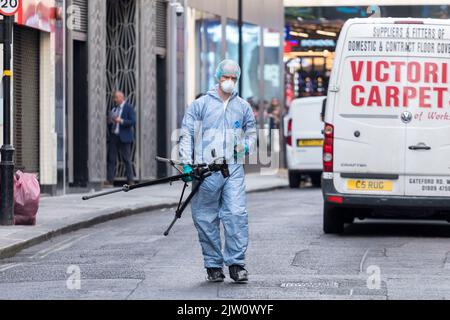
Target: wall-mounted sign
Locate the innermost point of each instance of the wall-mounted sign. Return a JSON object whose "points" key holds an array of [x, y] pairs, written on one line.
{"points": [[289, 45], [318, 43], [37, 14], [9, 7]]}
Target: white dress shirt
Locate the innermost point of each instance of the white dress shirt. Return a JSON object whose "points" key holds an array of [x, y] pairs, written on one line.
{"points": [[118, 113]]}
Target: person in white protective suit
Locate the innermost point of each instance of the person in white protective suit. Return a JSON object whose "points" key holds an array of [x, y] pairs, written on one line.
{"points": [[224, 122]]}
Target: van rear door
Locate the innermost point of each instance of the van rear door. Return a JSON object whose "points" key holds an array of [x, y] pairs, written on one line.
{"points": [[427, 162], [369, 135], [307, 136]]}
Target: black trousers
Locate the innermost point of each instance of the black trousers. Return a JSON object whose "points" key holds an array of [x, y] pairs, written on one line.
{"points": [[115, 148]]}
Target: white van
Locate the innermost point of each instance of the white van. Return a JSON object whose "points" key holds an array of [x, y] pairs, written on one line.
{"points": [[304, 140], [387, 131]]}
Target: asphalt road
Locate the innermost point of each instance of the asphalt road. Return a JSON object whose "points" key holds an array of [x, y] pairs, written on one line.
{"points": [[289, 258]]}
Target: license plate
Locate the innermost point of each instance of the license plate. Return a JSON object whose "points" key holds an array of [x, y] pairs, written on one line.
{"points": [[310, 143], [370, 185]]}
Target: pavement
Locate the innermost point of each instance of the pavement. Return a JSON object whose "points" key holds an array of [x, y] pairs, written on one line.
{"points": [[289, 257], [64, 214]]}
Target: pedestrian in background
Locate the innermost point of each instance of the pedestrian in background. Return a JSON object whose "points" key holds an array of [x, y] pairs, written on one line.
{"points": [[121, 122], [255, 107], [275, 114]]}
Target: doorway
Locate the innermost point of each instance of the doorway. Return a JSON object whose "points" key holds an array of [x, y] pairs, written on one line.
{"points": [[26, 115], [80, 114], [161, 98]]}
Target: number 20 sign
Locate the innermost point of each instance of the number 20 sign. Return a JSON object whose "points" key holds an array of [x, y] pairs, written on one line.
{"points": [[9, 7]]}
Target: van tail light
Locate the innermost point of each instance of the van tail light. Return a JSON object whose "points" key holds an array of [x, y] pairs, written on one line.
{"points": [[289, 133], [328, 149], [335, 199]]}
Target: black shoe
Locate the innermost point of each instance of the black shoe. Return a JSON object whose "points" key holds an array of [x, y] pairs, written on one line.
{"points": [[239, 274], [215, 275], [108, 185]]}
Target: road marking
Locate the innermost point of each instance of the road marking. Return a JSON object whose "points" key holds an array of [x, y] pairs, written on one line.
{"points": [[50, 248], [63, 246], [47, 251], [10, 266], [363, 260], [58, 247]]}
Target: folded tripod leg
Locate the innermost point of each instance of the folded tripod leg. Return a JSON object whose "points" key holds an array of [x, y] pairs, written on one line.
{"points": [[182, 207]]}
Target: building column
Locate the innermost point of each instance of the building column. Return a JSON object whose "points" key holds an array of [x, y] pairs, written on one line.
{"points": [[48, 137], [147, 88], [97, 91]]}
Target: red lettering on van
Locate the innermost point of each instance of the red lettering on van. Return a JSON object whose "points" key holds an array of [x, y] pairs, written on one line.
{"points": [[444, 73], [392, 96], [424, 101], [398, 69], [409, 93], [414, 74], [374, 97], [400, 84], [369, 71], [379, 74], [431, 72], [356, 100], [440, 96], [357, 70]]}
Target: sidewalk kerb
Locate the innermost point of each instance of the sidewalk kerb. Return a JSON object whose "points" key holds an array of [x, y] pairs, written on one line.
{"points": [[12, 250]]}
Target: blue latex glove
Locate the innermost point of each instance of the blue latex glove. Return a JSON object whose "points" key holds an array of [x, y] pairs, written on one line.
{"points": [[240, 154], [187, 169]]}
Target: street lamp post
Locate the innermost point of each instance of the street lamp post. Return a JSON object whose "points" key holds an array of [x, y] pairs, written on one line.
{"points": [[241, 44], [7, 150]]}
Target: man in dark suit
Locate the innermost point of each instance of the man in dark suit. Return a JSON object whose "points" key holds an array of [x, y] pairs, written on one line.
{"points": [[121, 122]]}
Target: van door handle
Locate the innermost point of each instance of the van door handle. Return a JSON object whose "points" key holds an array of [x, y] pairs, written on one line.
{"points": [[420, 146]]}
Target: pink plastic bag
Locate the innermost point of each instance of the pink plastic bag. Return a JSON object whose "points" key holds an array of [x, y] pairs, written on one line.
{"points": [[27, 194]]}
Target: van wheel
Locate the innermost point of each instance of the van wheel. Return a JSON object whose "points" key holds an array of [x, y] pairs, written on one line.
{"points": [[333, 220], [294, 180], [316, 180]]}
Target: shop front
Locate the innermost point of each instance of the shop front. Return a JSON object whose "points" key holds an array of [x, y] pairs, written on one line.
{"points": [[311, 35], [38, 91], [213, 35]]}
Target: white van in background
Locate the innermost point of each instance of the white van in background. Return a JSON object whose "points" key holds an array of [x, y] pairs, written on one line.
{"points": [[304, 140], [387, 132]]}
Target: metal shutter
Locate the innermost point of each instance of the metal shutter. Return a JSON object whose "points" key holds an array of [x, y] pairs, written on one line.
{"points": [[161, 24], [83, 7], [26, 98]]}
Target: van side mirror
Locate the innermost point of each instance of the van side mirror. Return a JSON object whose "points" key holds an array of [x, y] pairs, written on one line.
{"points": [[324, 109]]}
